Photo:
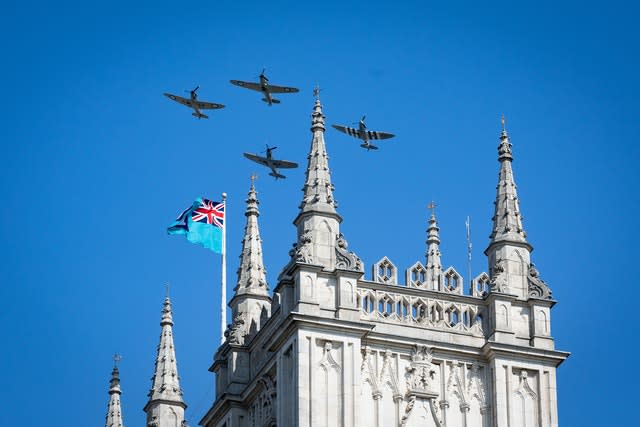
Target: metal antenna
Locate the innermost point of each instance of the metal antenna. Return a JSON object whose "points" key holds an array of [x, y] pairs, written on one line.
{"points": [[469, 245]]}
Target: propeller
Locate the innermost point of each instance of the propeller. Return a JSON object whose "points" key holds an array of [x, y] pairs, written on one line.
{"points": [[193, 91], [268, 149], [262, 76], [361, 120]]}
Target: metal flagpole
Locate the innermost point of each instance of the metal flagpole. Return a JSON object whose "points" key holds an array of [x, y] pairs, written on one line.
{"points": [[468, 224], [223, 297]]}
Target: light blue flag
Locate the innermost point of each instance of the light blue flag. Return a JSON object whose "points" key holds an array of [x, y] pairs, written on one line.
{"points": [[201, 223]]}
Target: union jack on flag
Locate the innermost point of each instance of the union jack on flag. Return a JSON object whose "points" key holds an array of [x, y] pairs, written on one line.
{"points": [[202, 223], [209, 212]]}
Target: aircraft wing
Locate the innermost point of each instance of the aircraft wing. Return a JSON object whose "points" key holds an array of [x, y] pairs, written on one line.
{"points": [[283, 164], [372, 134], [247, 85], [256, 158], [349, 131], [282, 89], [208, 105], [181, 100]]}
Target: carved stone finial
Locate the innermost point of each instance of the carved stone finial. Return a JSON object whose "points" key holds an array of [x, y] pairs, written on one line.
{"points": [[498, 281], [344, 258], [537, 287], [236, 333]]}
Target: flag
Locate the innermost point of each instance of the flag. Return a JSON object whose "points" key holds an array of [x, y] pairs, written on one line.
{"points": [[201, 223]]}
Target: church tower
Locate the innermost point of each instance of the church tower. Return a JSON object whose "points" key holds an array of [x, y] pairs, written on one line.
{"points": [[334, 348], [114, 411], [165, 407]]}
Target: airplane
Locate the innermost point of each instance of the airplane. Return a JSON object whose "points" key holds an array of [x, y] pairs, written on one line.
{"points": [[193, 102], [364, 134], [271, 163], [266, 88]]}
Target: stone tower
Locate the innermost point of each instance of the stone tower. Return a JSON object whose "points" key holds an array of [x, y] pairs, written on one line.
{"points": [[114, 411], [165, 407], [333, 348]]}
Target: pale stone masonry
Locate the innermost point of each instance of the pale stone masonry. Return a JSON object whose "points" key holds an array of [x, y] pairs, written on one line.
{"points": [[339, 349], [332, 348], [165, 406], [114, 411]]}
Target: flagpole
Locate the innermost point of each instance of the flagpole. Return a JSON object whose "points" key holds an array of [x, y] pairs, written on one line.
{"points": [[223, 297]]}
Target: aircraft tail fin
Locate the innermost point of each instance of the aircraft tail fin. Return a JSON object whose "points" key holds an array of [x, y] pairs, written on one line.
{"points": [[369, 146], [199, 115], [276, 175], [273, 100]]}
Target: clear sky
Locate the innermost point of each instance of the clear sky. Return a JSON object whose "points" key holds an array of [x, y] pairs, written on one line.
{"points": [[96, 163]]}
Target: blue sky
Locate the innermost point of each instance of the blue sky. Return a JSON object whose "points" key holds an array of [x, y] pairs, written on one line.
{"points": [[96, 163]]}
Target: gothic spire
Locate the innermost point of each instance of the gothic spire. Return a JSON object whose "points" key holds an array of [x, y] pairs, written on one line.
{"points": [[318, 190], [165, 385], [251, 273], [507, 220], [114, 412], [434, 265]]}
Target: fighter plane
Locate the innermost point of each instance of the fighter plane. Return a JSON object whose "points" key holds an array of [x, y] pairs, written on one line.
{"points": [[364, 134], [271, 163], [193, 102], [266, 88]]}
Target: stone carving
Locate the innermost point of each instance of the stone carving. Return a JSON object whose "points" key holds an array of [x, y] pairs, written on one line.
{"points": [[498, 282], [328, 361], [523, 387], [262, 410], [416, 276], [302, 249], [419, 377], [235, 331], [420, 373], [407, 410], [384, 271], [453, 282], [455, 385], [344, 259], [480, 286], [475, 386], [153, 422], [537, 287], [388, 374], [368, 372]]}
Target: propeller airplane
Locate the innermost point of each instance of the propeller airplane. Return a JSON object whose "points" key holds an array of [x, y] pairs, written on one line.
{"points": [[364, 134], [271, 163], [266, 88], [193, 102]]}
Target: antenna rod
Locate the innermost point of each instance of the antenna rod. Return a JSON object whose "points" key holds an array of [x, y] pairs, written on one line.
{"points": [[469, 247]]}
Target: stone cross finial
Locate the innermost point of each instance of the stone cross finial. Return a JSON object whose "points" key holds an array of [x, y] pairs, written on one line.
{"points": [[116, 358], [432, 206]]}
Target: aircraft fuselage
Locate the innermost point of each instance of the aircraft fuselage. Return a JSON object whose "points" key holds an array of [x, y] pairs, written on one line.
{"points": [[264, 87]]}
